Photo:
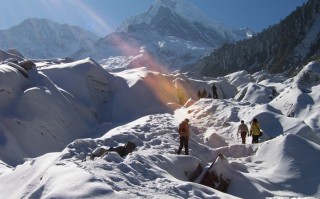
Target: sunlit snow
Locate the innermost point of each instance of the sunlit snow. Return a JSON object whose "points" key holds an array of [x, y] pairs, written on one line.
{"points": [[52, 121]]}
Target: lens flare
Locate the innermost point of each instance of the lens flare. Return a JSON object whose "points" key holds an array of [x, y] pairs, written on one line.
{"points": [[99, 23]]}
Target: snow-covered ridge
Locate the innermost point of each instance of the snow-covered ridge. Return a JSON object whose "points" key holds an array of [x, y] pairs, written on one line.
{"points": [[43, 38], [182, 8]]}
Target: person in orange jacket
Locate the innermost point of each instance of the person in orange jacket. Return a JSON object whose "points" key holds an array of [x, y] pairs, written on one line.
{"points": [[184, 133]]}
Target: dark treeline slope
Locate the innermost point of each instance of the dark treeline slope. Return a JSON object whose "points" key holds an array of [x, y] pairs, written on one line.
{"points": [[283, 47]]}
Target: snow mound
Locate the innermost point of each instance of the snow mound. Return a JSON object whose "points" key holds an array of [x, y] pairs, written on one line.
{"points": [[285, 163], [255, 93], [216, 141], [301, 99], [240, 78]]}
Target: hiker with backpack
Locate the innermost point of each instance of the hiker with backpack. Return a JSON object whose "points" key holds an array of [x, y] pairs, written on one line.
{"points": [[255, 131], [184, 133], [243, 130]]}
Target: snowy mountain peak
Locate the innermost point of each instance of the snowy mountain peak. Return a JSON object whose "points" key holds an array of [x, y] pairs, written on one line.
{"points": [[168, 3], [184, 9], [37, 21], [179, 14], [173, 32]]}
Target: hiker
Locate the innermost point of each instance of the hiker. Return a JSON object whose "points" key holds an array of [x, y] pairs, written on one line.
{"points": [[204, 93], [243, 130], [199, 94], [214, 92], [255, 131], [184, 132]]}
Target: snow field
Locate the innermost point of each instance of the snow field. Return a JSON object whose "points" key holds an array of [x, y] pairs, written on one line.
{"points": [[76, 111]]}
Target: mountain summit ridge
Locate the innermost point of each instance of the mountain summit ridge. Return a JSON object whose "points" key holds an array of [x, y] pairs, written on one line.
{"points": [[186, 11], [43, 38], [165, 35]]}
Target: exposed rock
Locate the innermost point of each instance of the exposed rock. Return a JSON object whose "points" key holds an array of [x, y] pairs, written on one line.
{"points": [[19, 68], [196, 173], [211, 179], [121, 150], [27, 64]]}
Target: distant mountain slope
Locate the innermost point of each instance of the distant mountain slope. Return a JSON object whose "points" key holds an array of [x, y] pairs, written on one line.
{"points": [[281, 48], [170, 34], [42, 38]]}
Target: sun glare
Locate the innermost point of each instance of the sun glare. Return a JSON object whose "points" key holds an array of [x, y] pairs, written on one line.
{"points": [[99, 23], [76, 12]]}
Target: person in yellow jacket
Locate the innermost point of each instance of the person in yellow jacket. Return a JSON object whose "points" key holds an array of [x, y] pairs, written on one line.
{"points": [[255, 131], [184, 132]]}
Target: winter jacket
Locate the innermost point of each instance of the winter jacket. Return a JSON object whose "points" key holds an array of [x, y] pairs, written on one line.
{"points": [[255, 129], [243, 128], [184, 129]]}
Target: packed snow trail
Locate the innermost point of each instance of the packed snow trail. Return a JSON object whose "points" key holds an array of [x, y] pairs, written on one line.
{"points": [[153, 170]]}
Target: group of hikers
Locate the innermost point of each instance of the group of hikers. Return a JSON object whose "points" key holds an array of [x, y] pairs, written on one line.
{"points": [[255, 131], [204, 94], [243, 130]]}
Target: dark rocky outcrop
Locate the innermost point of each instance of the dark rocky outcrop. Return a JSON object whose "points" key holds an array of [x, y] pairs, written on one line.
{"points": [[121, 150]]}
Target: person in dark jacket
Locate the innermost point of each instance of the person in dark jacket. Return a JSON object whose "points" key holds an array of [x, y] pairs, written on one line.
{"points": [[214, 92], [184, 133]]}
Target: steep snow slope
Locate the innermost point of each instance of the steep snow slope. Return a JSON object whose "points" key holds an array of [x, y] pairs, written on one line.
{"points": [[32, 115], [301, 99], [86, 82]]}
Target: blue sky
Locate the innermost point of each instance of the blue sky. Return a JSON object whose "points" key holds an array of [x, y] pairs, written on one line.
{"points": [[103, 16]]}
